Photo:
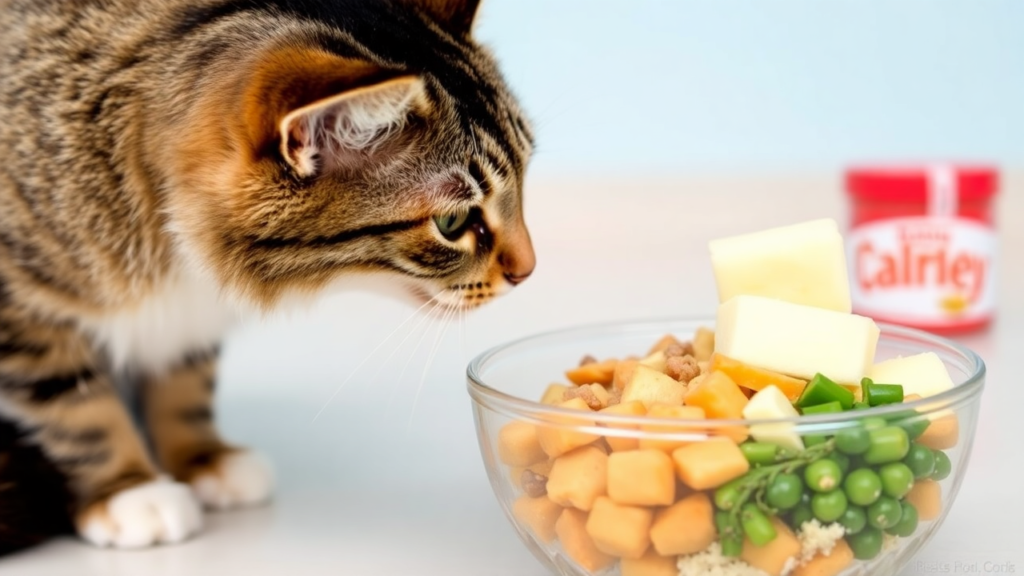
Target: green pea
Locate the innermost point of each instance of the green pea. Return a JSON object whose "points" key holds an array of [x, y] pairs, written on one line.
{"points": [[854, 519], [874, 422], [884, 513], [727, 496], [756, 525], [943, 466], [908, 521], [921, 461], [800, 514], [888, 444], [861, 406], [842, 460], [823, 475], [897, 479], [866, 544], [758, 453], [784, 491], [829, 506], [863, 486], [853, 441], [814, 439]]}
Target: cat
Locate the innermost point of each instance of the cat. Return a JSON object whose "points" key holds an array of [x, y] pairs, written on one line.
{"points": [[168, 167]]}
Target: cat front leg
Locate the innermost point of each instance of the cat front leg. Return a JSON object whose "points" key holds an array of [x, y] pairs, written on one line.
{"points": [[179, 412], [54, 386]]}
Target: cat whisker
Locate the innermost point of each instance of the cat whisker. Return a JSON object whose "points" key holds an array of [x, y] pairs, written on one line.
{"points": [[445, 322], [408, 360]]}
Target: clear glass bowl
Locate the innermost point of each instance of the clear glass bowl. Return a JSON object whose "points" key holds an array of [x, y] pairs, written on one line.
{"points": [[506, 384]]}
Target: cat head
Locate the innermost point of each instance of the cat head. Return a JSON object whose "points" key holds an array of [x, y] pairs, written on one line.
{"points": [[388, 143]]}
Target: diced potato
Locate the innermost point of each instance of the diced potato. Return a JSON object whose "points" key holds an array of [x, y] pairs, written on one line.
{"points": [[703, 344], [538, 515], [771, 403], [657, 361], [594, 373], [651, 386], [634, 408], [518, 444], [554, 394], [686, 527], [772, 557], [650, 565], [540, 468], [710, 464], [757, 379], [663, 343], [942, 433], [926, 496], [620, 530], [571, 529], [641, 478], [832, 564], [556, 440], [579, 477], [623, 373], [669, 411]]}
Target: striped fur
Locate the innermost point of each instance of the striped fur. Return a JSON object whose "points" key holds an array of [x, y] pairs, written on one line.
{"points": [[171, 165]]}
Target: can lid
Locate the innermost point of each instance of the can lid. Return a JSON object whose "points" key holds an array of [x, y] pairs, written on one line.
{"points": [[918, 183]]}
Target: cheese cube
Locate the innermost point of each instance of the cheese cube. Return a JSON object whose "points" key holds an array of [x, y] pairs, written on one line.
{"points": [[578, 478], [686, 527], [571, 529], [641, 478], [560, 438], [772, 403], [923, 374], [802, 263], [619, 530], [651, 387], [710, 464], [619, 443], [538, 515], [796, 340], [666, 411]]}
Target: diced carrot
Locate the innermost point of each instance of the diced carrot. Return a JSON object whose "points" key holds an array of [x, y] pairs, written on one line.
{"points": [[718, 396], [670, 411], [593, 373], [755, 378], [710, 464], [634, 408]]}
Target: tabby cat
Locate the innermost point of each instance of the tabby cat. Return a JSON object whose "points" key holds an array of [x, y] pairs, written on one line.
{"points": [[168, 167]]}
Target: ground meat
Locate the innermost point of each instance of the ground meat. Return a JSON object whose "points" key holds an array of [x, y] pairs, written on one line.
{"points": [[614, 397], [682, 368], [595, 395], [679, 349], [534, 485]]}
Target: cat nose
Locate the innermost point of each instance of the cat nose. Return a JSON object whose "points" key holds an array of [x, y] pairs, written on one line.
{"points": [[518, 262]]}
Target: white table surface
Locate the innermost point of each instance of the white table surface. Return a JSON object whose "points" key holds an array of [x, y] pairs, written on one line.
{"points": [[383, 483]]}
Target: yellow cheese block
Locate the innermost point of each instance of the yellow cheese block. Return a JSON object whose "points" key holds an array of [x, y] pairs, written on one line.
{"points": [[796, 340], [923, 374], [803, 263]]}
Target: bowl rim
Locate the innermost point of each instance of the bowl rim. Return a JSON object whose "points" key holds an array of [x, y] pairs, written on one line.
{"points": [[534, 411]]}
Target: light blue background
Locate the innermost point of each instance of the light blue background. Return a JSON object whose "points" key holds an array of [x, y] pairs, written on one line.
{"points": [[763, 85]]}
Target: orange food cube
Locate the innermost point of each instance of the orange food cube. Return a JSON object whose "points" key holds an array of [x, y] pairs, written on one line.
{"points": [[773, 556], [554, 394], [942, 433], [560, 438], [593, 373], [651, 564], [663, 343], [686, 527], [579, 477], [641, 478], [757, 379], [571, 529], [835, 562], [657, 361], [538, 515], [671, 411], [518, 444], [709, 464], [634, 408], [718, 396], [651, 386], [703, 344], [623, 373], [620, 530], [926, 496]]}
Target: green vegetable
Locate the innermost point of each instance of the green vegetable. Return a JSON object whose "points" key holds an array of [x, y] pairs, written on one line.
{"points": [[802, 513], [727, 496], [827, 408], [920, 459], [756, 525], [759, 453], [897, 479], [821, 390], [730, 534], [874, 422], [908, 521], [861, 406], [829, 506], [823, 475], [842, 460], [888, 444], [913, 422], [881, 394], [866, 544], [784, 491], [884, 513], [863, 486], [854, 519], [814, 439], [943, 466], [853, 441]]}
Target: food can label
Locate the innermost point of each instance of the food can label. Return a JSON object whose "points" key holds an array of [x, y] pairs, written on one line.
{"points": [[925, 270]]}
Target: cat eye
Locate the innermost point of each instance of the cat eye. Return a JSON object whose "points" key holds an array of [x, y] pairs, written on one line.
{"points": [[452, 226]]}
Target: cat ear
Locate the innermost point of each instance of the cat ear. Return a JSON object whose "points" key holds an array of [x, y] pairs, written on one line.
{"points": [[317, 135], [455, 16]]}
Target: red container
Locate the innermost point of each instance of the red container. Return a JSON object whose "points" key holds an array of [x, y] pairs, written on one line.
{"points": [[922, 245]]}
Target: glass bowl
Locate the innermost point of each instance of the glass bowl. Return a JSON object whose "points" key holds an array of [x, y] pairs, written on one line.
{"points": [[588, 492]]}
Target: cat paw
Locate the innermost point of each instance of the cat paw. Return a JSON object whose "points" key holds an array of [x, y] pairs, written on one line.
{"points": [[156, 512], [235, 480]]}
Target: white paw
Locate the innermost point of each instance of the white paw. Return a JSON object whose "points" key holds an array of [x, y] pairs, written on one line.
{"points": [[157, 512], [238, 479]]}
